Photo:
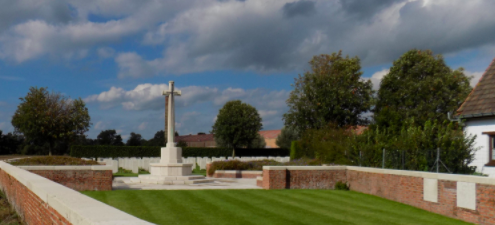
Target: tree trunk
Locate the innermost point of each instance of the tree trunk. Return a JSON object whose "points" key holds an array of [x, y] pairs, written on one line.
{"points": [[50, 149]]}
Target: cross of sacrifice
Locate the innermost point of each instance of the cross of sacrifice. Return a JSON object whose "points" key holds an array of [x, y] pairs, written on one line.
{"points": [[171, 112]]}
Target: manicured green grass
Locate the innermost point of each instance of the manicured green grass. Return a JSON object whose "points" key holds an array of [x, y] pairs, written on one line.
{"points": [[265, 207]]}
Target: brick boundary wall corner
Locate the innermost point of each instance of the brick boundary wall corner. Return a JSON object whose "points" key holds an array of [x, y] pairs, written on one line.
{"points": [[464, 197]]}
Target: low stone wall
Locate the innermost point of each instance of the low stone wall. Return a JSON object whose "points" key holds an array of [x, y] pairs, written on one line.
{"points": [[468, 198], [302, 177], [38, 200], [236, 174], [79, 178]]}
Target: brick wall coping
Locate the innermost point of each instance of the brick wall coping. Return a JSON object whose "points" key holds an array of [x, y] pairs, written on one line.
{"points": [[77, 208], [304, 167], [439, 176], [240, 171], [95, 167]]}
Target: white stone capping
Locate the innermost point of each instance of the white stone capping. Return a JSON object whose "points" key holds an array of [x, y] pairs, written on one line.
{"points": [[439, 176], [239, 171], [304, 167], [77, 208], [89, 167]]}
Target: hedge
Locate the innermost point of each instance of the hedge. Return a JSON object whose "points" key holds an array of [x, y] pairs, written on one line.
{"points": [[103, 151]]}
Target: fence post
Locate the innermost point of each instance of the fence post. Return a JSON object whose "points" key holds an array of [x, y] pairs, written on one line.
{"points": [[359, 158], [383, 159], [438, 157]]}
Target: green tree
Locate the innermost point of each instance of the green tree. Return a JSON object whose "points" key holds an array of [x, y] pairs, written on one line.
{"points": [[10, 143], [158, 140], [237, 125], [421, 86], [258, 142], [109, 137], [332, 92], [286, 136], [135, 140], [46, 117]]}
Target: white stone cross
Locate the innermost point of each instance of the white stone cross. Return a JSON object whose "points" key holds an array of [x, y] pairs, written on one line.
{"points": [[171, 112]]}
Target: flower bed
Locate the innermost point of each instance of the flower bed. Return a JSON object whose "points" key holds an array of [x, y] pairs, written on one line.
{"points": [[52, 161], [257, 165]]}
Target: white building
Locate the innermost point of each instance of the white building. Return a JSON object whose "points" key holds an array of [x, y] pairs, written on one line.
{"points": [[478, 111]]}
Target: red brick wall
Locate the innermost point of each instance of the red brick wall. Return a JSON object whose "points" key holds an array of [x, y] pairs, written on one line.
{"points": [[28, 205], [409, 190], [80, 180], [302, 179], [400, 188]]}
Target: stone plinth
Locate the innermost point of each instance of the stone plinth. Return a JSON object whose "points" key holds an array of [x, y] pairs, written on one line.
{"points": [[170, 169]]}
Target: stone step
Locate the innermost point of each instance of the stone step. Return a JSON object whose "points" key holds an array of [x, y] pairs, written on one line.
{"points": [[199, 181]]}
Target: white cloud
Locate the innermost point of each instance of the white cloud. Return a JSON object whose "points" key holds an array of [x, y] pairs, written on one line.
{"points": [[196, 109], [476, 77], [105, 52], [100, 125], [377, 77], [265, 36], [142, 126]]}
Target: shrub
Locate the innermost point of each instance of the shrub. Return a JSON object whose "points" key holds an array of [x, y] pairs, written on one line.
{"points": [[330, 145], [241, 152], [296, 150], [257, 165], [341, 186]]}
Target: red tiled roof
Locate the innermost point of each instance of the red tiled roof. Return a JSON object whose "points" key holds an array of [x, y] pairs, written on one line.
{"points": [[481, 100], [359, 129], [269, 134], [195, 138]]}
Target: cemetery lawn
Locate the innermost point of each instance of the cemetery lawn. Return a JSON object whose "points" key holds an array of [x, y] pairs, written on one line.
{"points": [[197, 207]]}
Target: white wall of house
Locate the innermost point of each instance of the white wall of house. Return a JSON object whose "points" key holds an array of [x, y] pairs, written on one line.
{"points": [[477, 127]]}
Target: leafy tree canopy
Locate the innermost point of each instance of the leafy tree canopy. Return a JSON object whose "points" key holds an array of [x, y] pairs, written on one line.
{"points": [[332, 92], [237, 125], [258, 142], [135, 140], [286, 136], [45, 117], [158, 140], [10, 143], [109, 137], [421, 86]]}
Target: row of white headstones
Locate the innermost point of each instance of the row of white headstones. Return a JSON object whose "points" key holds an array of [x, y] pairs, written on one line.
{"points": [[134, 164]]}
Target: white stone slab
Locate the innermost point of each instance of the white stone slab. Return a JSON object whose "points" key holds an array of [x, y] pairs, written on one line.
{"points": [[466, 195], [430, 190]]}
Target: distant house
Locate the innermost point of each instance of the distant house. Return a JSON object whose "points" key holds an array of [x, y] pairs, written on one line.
{"points": [[270, 137], [479, 112], [208, 140], [199, 140]]}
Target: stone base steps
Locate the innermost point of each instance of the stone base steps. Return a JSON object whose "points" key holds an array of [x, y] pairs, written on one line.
{"points": [[169, 180]]}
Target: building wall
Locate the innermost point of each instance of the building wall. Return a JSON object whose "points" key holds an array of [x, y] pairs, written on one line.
{"points": [[271, 143], [477, 127]]}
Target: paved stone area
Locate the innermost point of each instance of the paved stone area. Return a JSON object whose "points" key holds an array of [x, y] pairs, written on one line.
{"points": [[219, 183]]}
